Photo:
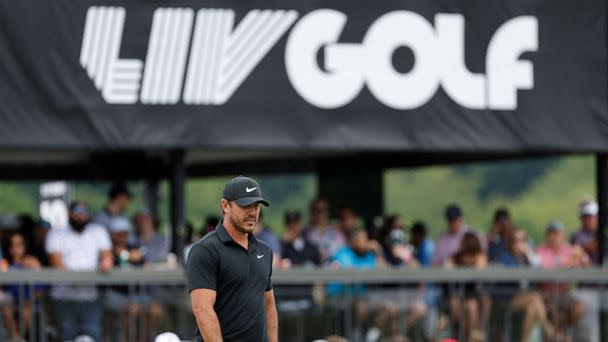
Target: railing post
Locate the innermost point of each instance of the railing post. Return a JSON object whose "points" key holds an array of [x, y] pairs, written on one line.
{"points": [[178, 193]]}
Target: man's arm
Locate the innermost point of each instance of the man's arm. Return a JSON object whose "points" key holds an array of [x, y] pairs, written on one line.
{"points": [[206, 318], [272, 317], [106, 262], [56, 261]]}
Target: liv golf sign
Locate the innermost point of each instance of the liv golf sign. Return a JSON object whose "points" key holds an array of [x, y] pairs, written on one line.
{"points": [[202, 58]]}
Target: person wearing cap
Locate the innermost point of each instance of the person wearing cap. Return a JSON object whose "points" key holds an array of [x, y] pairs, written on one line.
{"points": [[586, 236], [229, 272], [555, 252], [82, 246], [114, 213], [588, 294], [447, 243]]}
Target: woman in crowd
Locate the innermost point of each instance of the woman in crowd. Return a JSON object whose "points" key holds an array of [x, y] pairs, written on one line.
{"points": [[19, 258], [476, 302], [519, 253]]}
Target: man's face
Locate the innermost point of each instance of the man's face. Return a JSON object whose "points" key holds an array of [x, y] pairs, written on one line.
{"points": [[144, 224], [244, 219], [296, 227], [347, 219], [79, 214], [360, 242], [589, 222], [454, 225], [122, 202], [555, 238], [319, 212]]}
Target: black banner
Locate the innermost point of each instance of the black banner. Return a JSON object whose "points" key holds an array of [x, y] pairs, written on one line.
{"points": [[347, 75]]}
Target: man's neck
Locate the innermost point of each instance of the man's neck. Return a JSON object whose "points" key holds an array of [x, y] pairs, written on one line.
{"points": [[112, 209], [236, 235]]}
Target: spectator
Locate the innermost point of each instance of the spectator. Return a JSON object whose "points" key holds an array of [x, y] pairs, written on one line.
{"points": [[500, 230], [586, 236], [19, 258], [361, 252], [364, 254], [393, 239], [114, 213], [347, 220], [326, 237], [297, 250], [117, 298], [588, 294], [476, 301], [6, 306], [447, 243], [423, 245], [153, 245], [41, 230], [264, 234], [519, 253], [82, 246], [556, 253]]}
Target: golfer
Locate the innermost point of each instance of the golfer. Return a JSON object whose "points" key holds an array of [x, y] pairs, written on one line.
{"points": [[229, 272]]}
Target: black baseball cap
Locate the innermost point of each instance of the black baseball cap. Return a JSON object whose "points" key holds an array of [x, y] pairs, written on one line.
{"points": [[244, 191], [117, 189], [453, 212]]}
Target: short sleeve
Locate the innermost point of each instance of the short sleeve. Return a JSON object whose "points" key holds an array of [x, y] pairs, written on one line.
{"points": [[269, 283], [202, 268], [103, 239], [53, 243]]}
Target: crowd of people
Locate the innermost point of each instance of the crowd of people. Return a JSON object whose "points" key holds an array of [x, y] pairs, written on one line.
{"points": [[110, 239], [555, 311], [100, 242]]}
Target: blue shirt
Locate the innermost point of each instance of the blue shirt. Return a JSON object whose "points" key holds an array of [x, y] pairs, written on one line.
{"points": [[424, 252], [347, 258]]}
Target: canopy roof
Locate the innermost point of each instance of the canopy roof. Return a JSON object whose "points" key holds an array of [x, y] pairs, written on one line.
{"points": [[99, 88]]}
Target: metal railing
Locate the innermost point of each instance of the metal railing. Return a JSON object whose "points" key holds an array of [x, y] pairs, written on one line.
{"points": [[136, 277]]}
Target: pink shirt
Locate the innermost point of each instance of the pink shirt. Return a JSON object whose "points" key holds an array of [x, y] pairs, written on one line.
{"points": [[550, 258]]}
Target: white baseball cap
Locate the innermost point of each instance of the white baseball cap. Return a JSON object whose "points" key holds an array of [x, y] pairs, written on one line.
{"points": [[589, 208]]}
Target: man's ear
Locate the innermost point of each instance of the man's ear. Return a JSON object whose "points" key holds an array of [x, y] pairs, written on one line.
{"points": [[224, 205]]}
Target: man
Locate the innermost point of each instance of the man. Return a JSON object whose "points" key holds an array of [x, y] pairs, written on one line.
{"points": [[347, 220], [153, 245], [229, 272], [113, 214], [586, 236], [500, 230], [423, 245], [297, 250], [82, 246], [588, 294], [447, 243], [326, 237]]}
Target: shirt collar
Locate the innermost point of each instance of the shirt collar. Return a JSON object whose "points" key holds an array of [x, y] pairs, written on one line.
{"points": [[224, 237]]}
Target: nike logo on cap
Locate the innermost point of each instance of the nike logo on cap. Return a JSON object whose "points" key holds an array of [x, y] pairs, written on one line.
{"points": [[259, 256], [250, 190]]}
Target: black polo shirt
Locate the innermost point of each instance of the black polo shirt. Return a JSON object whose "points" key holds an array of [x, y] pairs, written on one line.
{"points": [[240, 277]]}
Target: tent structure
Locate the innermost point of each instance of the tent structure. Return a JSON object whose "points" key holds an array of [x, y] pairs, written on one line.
{"points": [[144, 90]]}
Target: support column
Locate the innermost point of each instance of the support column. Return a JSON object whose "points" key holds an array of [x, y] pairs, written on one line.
{"points": [[177, 207], [360, 189], [601, 176], [152, 196]]}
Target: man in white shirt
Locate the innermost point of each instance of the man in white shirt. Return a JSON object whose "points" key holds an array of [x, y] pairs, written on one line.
{"points": [[82, 246]]}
